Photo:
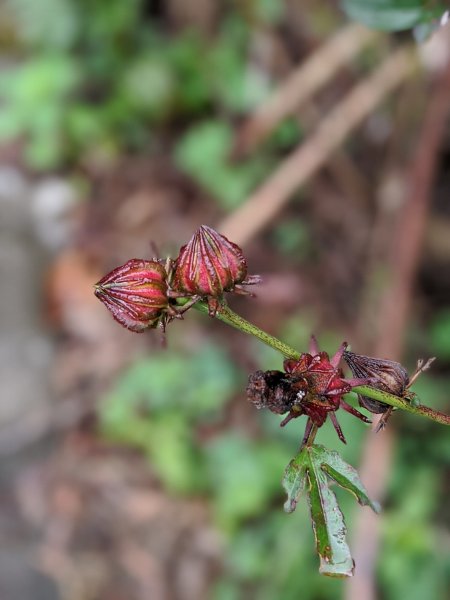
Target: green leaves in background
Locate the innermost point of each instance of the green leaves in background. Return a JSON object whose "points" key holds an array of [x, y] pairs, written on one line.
{"points": [[149, 86], [198, 385], [203, 153], [411, 547], [393, 15], [245, 476], [157, 403], [309, 472], [34, 97], [292, 238], [158, 406], [32, 21], [440, 335]]}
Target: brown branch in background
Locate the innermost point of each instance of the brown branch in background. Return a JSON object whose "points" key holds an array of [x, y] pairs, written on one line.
{"points": [[259, 210], [345, 173], [392, 321], [408, 243], [303, 83]]}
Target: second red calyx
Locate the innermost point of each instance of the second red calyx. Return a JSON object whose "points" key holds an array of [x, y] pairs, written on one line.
{"points": [[313, 385], [209, 265], [143, 294]]}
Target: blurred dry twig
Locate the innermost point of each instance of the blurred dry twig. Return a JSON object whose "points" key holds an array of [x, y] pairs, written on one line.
{"points": [[393, 314], [303, 83], [274, 193]]}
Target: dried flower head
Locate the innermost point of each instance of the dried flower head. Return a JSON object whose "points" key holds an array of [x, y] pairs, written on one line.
{"points": [[209, 265], [386, 375], [272, 390], [313, 386], [136, 294]]}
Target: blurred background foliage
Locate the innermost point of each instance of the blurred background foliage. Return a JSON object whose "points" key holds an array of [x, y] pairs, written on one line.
{"points": [[171, 421], [89, 87], [109, 78]]}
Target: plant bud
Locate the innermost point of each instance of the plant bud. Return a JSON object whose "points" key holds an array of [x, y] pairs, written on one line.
{"points": [[312, 385], [135, 293], [209, 264], [324, 378], [386, 375]]}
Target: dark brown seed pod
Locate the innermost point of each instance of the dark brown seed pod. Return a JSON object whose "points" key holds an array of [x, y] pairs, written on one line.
{"points": [[386, 375]]}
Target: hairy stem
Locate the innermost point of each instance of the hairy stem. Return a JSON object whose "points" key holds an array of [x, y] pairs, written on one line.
{"points": [[403, 403], [225, 314], [311, 436]]}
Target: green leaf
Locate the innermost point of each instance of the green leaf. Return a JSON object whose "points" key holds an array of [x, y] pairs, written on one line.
{"points": [[309, 471], [393, 15], [347, 477], [295, 476], [329, 527]]}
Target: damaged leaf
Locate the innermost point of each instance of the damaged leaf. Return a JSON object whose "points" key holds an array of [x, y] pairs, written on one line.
{"points": [[311, 471]]}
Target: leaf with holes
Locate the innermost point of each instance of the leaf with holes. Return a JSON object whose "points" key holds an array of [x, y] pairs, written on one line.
{"points": [[310, 472]]}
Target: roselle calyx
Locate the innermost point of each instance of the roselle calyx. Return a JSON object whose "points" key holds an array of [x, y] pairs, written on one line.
{"points": [[209, 265], [136, 294], [386, 375], [312, 385]]}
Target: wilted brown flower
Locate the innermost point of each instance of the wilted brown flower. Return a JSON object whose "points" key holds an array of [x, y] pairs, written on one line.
{"points": [[386, 375]]}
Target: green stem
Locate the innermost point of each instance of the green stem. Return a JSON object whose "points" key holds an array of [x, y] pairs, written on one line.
{"points": [[225, 314], [312, 436], [403, 403]]}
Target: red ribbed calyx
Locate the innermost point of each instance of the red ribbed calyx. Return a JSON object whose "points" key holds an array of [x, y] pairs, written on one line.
{"points": [[136, 294], [209, 265], [313, 385]]}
